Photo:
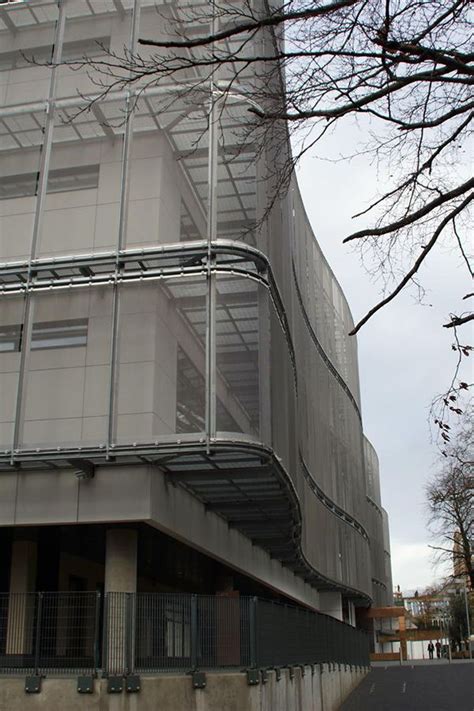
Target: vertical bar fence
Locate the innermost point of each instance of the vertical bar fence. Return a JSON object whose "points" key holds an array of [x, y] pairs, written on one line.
{"points": [[124, 633]]}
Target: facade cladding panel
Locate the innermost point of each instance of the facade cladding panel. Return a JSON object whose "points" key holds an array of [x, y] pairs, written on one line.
{"points": [[147, 306]]}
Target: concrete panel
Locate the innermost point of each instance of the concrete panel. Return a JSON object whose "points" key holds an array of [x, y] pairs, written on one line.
{"points": [[6, 435], [142, 226], [96, 391], [46, 497], [137, 338], [115, 494], [99, 337], [8, 491], [109, 182], [146, 146], [146, 175], [135, 428], [44, 432], [68, 231], [106, 227], [8, 388], [15, 236], [55, 394], [135, 392], [94, 429]]}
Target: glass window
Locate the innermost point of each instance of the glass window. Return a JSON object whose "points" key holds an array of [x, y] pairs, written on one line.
{"points": [[72, 51], [59, 334], [10, 338], [62, 180]]}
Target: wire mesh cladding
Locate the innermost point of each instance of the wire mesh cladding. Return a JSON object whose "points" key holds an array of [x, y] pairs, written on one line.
{"points": [[123, 633], [49, 632]]}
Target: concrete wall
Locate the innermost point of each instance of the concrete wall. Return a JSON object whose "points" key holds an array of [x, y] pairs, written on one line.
{"points": [[323, 690]]}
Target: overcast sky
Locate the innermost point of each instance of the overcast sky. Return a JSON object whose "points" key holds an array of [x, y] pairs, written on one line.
{"points": [[405, 357]]}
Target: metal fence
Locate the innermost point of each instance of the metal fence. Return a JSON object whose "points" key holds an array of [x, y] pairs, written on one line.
{"points": [[49, 631], [124, 633]]}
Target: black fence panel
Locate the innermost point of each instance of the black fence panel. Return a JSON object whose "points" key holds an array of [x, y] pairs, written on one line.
{"points": [[163, 632], [222, 626], [68, 631], [49, 632], [18, 624], [121, 633], [290, 635]]}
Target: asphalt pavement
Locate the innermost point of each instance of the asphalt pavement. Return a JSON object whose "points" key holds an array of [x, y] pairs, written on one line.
{"points": [[428, 686]]}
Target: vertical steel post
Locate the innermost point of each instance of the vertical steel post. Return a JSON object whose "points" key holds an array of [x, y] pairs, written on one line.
{"points": [[39, 616], [49, 127], [43, 171], [253, 632], [468, 621], [98, 600], [211, 236], [113, 372], [128, 634], [194, 632], [105, 636], [122, 231]]}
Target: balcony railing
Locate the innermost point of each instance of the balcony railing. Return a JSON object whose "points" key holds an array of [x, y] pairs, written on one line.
{"points": [[125, 633]]}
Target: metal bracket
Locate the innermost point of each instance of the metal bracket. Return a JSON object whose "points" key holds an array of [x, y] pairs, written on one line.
{"points": [[33, 684], [253, 677], [133, 684], [199, 680], [277, 673], [292, 672], [84, 468], [85, 684], [114, 685], [264, 676]]}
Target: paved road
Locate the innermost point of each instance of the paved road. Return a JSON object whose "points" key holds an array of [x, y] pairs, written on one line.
{"points": [[422, 687]]}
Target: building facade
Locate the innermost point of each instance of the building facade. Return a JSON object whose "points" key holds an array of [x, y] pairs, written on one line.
{"points": [[180, 406]]}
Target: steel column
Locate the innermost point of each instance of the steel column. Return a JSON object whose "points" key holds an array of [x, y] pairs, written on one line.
{"points": [[39, 209]]}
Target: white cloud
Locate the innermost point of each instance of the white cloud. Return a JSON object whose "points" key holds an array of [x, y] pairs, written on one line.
{"points": [[413, 566]]}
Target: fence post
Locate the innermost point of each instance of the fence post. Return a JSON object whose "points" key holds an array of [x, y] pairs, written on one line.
{"points": [[98, 599], [39, 615], [129, 633], [194, 632], [106, 636], [253, 632]]}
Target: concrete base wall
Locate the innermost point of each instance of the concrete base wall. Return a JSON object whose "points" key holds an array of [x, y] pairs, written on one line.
{"points": [[323, 690]]}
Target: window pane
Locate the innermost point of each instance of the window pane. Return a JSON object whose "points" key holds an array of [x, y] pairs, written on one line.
{"points": [[26, 184], [59, 334]]}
